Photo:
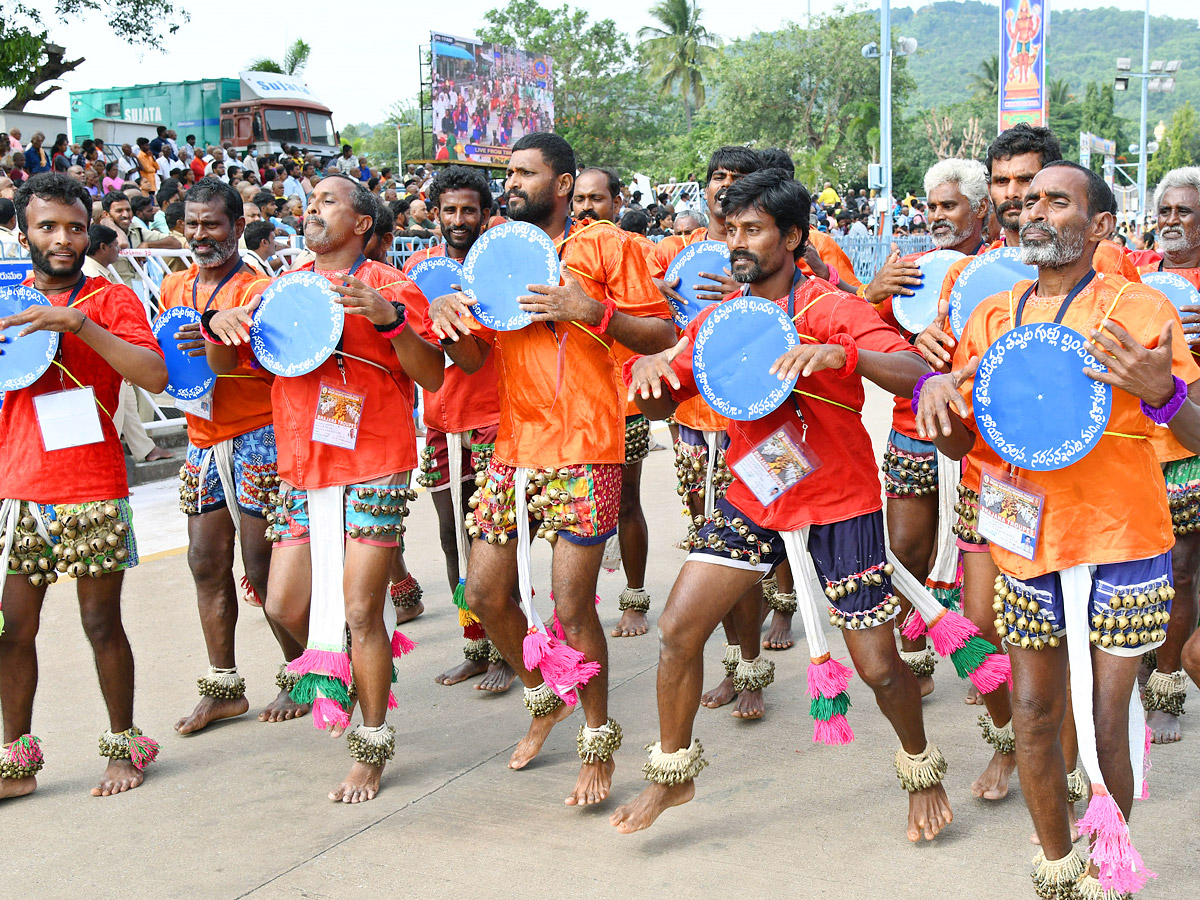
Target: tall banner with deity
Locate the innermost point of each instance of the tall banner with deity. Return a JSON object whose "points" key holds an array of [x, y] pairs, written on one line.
{"points": [[1022, 62]]}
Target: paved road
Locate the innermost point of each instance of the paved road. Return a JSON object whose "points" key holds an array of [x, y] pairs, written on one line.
{"points": [[240, 810]]}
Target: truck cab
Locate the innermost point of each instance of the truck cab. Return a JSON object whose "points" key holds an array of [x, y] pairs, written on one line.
{"points": [[276, 110]]}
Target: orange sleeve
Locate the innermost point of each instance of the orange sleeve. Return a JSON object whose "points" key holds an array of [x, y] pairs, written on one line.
{"points": [[833, 255], [1111, 258], [172, 290]]}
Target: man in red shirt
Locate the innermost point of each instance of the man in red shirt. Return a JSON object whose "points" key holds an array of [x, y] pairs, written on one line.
{"points": [[347, 443], [230, 467], [62, 477], [464, 414], [833, 515], [563, 422]]}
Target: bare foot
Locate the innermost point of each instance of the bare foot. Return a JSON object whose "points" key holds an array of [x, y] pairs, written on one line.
{"points": [[120, 776], [973, 698], [926, 684], [1163, 726], [17, 787], [282, 709], [468, 668], [749, 705], [360, 785], [650, 804], [499, 678], [928, 813], [405, 614], [993, 783], [720, 695], [209, 710], [633, 622], [158, 453], [1033, 838], [336, 731], [595, 779], [779, 636], [539, 729]]}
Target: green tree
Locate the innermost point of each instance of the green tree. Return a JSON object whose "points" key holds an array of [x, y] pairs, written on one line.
{"points": [[985, 81], [295, 58], [29, 58], [1179, 147], [679, 54]]}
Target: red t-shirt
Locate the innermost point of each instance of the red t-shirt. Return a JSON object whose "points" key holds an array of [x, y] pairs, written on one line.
{"points": [[846, 484], [75, 474], [463, 402], [387, 439]]}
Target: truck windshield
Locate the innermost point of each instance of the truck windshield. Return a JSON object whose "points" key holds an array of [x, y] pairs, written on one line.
{"points": [[320, 129], [282, 124]]}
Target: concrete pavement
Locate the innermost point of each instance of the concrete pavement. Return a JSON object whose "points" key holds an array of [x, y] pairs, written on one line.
{"points": [[240, 811]]}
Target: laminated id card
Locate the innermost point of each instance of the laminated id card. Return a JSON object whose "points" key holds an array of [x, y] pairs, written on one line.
{"points": [[68, 418], [201, 407], [1010, 511], [338, 415], [776, 465]]}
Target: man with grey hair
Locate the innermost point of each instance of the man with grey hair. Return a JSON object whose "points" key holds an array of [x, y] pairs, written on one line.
{"points": [[688, 221], [958, 204], [1177, 204]]}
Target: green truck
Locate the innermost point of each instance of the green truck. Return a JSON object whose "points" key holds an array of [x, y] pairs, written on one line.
{"points": [[262, 108]]}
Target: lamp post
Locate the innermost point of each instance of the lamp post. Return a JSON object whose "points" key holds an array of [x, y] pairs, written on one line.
{"points": [[399, 149], [1157, 77]]}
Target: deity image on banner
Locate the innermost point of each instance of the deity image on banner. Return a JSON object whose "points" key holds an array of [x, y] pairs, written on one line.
{"points": [[1024, 26]]}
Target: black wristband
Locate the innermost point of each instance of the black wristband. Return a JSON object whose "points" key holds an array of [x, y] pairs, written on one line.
{"points": [[206, 319], [401, 318]]}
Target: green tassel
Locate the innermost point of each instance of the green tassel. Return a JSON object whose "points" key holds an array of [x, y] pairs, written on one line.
{"points": [[312, 685], [971, 655], [825, 708], [950, 598], [460, 594]]}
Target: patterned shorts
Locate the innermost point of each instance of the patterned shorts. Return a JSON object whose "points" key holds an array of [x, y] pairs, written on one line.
{"points": [[1128, 610], [909, 467], [1183, 493], [374, 514], [254, 457], [435, 457], [85, 539], [849, 557], [691, 462], [578, 502], [967, 507], [637, 439]]}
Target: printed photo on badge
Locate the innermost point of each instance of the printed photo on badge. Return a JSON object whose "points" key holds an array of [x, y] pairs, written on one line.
{"points": [[776, 465], [1010, 512], [337, 417]]}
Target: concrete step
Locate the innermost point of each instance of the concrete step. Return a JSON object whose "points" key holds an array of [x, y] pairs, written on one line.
{"points": [[168, 437]]}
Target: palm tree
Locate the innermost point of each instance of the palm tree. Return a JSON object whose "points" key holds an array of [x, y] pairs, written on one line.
{"points": [[679, 53], [985, 82], [295, 58]]}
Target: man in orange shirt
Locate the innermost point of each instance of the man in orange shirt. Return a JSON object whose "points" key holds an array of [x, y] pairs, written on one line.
{"points": [[1099, 576], [1177, 201], [347, 443], [597, 198], [464, 414], [147, 164], [230, 466], [564, 423], [66, 509]]}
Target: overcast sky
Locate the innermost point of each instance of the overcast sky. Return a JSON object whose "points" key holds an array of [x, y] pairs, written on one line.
{"points": [[365, 56]]}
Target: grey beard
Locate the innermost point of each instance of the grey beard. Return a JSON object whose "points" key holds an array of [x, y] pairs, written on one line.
{"points": [[224, 251], [1055, 253], [1179, 244], [948, 240]]}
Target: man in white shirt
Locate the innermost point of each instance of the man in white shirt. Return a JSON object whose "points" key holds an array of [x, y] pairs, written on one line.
{"points": [[858, 229], [10, 247], [127, 162]]}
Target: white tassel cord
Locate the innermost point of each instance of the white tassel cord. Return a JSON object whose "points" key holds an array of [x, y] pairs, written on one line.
{"points": [[524, 549], [804, 576], [221, 456], [917, 594], [454, 454], [945, 564], [711, 438], [327, 549]]}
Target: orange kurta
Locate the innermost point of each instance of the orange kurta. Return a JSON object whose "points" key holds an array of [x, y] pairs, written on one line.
{"points": [[241, 399], [1110, 505]]}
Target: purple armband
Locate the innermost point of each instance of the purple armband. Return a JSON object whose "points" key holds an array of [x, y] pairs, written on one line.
{"points": [[1164, 414], [916, 397]]}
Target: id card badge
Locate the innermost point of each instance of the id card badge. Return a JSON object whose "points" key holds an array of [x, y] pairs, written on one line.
{"points": [[338, 415], [1010, 511], [201, 407], [68, 418], [776, 465]]}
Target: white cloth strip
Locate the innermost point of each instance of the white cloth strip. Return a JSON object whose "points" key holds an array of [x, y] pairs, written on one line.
{"points": [[327, 552], [221, 456], [710, 498], [454, 455], [804, 576], [945, 564], [916, 593]]}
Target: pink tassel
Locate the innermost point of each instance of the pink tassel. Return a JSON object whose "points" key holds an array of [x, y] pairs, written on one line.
{"points": [[556, 627], [564, 668], [401, 644], [142, 751], [1146, 767], [914, 627], [994, 671], [392, 704], [828, 679], [835, 732], [535, 646], [327, 713], [1121, 867], [951, 632], [323, 662], [25, 752]]}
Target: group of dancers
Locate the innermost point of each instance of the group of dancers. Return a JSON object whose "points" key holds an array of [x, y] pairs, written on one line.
{"points": [[540, 431]]}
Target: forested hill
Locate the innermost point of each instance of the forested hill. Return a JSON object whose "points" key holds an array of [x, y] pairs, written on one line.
{"points": [[955, 37]]}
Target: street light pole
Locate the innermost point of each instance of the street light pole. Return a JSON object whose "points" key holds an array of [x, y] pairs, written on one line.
{"points": [[1142, 154], [399, 149], [885, 118]]}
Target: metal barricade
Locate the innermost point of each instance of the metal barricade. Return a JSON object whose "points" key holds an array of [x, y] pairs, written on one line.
{"points": [[868, 254], [405, 247]]}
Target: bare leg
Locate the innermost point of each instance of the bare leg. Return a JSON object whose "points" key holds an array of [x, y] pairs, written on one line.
{"points": [[448, 522], [898, 695], [698, 601], [399, 572], [912, 534], [19, 669], [1185, 561], [634, 536], [779, 637], [748, 617], [256, 560], [1114, 678], [724, 693]]}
